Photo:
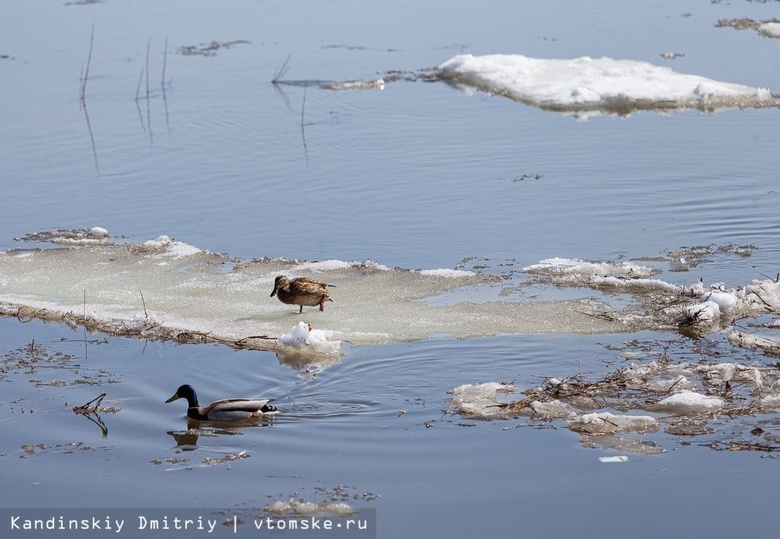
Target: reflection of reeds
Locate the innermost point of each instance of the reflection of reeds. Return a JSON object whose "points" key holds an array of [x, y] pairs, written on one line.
{"points": [[303, 130], [162, 83]]}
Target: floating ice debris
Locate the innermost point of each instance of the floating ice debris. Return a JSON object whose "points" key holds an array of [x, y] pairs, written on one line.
{"points": [[303, 508], [609, 423], [765, 28], [378, 84], [480, 399], [575, 266], [669, 385], [314, 340], [770, 402], [618, 443], [553, 409], [746, 340], [769, 29], [616, 458], [575, 272], [62, 236], [592, 84], [689, 402], [721, 373]]}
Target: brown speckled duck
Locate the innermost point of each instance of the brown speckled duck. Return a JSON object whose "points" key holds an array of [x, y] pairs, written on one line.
{"points": [[301, 291]]}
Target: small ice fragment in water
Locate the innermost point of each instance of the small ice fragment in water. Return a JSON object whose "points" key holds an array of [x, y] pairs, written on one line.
{"points": [[552, 410], [616, 458], [689, 402], [480, 399], [98, 232], [608, 423]]}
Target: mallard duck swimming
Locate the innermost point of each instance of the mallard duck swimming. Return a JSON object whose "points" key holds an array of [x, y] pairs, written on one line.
{"points": [[225, 409], [301, 291]]}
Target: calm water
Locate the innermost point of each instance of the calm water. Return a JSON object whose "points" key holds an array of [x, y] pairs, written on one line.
{"points": [[416, 176]]}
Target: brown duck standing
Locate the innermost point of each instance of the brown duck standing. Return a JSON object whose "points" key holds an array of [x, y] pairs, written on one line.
{"points": [[301, 291]]}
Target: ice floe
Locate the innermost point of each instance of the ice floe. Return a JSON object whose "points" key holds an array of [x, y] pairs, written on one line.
{"points": [[689, 402], [609, 423], [481, 400], [596, 84], [167, 289]]}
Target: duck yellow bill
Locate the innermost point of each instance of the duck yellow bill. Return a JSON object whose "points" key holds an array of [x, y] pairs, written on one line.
{"points": [[175, 396]]}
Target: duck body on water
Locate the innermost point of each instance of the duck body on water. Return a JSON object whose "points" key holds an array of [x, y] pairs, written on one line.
{"points": [[225, 409]]}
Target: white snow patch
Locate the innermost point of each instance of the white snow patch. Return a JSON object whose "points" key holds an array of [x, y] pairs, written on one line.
{"points": [[324, 265], [449, 273], [173, 249]]}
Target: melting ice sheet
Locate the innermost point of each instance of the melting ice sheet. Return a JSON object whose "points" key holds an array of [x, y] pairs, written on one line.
{"points": [[596, 84], [168, 289]]}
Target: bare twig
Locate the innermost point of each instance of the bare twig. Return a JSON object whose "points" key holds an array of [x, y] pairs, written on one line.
{"points": [[148, 45], [281, 71], [89, 61], [89, 407], [165, 62], [146, 315]]}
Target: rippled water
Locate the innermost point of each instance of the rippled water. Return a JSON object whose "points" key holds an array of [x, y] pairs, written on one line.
{"points": [[416, 176]]}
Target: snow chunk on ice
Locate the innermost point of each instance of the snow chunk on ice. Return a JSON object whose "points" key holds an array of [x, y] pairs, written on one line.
{"points": [[608, 423], [595, 83], [701, 312], [725, 300], [173, 249], [302, 336], [689, 402]]}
